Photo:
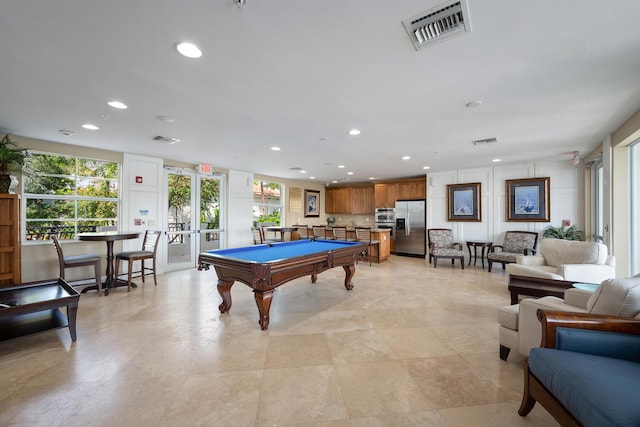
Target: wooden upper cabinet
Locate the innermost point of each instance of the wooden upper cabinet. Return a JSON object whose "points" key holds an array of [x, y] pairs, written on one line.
{"points": [[386, 195], [10, 261], [362, 200], [338, 200], [412, 190], [349, 200]]}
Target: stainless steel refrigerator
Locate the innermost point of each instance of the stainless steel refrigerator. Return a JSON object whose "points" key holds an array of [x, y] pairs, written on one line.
{"points": [[410, 228]]}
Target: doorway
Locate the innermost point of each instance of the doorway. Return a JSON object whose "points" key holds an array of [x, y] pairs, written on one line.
{"points": [[195, 216]]}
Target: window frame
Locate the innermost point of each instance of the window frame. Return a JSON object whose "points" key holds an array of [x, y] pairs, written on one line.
{"points": [[75, 198]]}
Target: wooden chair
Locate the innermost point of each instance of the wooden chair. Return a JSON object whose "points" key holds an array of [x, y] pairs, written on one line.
{"points": [[78, 261], [257, 236], [268, 236], [319, 231], [441, 245], [303, 231], [363, 234], [148, 252], [340, 233]]}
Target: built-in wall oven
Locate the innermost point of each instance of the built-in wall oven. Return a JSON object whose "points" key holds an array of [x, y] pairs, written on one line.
{"points": [[386, 219]]}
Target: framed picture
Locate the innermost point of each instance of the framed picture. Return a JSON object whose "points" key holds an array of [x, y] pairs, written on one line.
{"points": [[311, 203], [528, 200], [463, 202]]}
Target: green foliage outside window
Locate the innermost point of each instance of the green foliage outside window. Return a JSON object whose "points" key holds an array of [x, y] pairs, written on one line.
{"points": [[69, 194]]}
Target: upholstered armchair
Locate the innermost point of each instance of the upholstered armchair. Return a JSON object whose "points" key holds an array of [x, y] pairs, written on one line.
{"points": [[586, 371], [519, 327], [441, 245], [515, 243], [568, 260]]}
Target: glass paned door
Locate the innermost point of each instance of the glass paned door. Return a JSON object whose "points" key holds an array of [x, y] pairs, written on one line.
{"points": [[180, 202], [210, 195]]}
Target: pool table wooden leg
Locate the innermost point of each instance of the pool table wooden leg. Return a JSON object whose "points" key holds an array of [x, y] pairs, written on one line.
{"points": [[349, 270], [263, 300], [224, 289]]}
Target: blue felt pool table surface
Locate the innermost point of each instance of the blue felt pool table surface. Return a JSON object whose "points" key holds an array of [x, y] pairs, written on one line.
{"points": [[279, 251]]}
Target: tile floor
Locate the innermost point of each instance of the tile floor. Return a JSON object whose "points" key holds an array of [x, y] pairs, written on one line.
{"points": [[408, 346]]}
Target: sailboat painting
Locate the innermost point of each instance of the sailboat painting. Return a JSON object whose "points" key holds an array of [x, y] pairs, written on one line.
{"points": [[527, 200]]}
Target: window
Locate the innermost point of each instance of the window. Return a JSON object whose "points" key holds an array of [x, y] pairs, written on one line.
{"points": [[68, 195], [634, 190], [267, 202]]}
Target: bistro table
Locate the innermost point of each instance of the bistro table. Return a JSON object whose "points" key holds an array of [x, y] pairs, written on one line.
{"points": [[109, 237], [282, 230], [474, 255]]}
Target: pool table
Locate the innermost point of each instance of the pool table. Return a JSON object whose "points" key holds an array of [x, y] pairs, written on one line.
{"points": [[265, 267]]}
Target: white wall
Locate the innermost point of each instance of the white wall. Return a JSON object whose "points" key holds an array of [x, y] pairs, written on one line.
{"points": [[239, 209], [564, 198]]}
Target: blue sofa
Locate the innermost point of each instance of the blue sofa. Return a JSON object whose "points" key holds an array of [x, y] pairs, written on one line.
{"points": [[587, 371]]}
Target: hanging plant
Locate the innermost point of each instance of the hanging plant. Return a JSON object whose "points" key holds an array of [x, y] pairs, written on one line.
{"points": [[566, 233]]}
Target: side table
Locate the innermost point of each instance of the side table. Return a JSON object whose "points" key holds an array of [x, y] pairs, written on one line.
{"points": [[475, 245]]}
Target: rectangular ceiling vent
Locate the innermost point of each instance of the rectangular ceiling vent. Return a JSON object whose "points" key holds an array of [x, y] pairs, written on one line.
{"points": [[438, 24], [166, 139], [485, 141]]}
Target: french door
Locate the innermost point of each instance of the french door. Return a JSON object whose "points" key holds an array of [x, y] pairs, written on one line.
{"points": [[195, 216]]}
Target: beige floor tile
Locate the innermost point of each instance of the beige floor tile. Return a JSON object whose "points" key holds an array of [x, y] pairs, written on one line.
{"points": [[358, 346], [380, 388], [498, 415], [294, 351], [448, 381], [300, 395], [411, 419], [411, 343]]}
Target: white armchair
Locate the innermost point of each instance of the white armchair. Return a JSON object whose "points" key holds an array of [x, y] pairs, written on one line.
{"points": [[519, 326], [567, 260]]}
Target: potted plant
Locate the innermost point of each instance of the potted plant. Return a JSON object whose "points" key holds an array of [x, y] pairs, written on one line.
{"points": [[12, 159], [566, 233]]}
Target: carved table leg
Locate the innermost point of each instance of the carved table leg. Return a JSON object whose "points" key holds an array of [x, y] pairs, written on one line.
{"points": [[263, 300], [314, 278], [349, 270], [224, 289]]}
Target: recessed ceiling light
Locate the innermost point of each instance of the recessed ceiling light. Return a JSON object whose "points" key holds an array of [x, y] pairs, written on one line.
{"points": [[334, 181], [189, 50], [117, 104], [475, 103], [349, 173], [426, 167], [90, 126], [341, 166], [372, 177], [496, 160], [354, 132], [312, 177], [274, 148], [66, 132], [303, 171], [406, 157]]}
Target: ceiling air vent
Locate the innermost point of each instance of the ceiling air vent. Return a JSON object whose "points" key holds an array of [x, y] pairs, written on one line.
{"points": [[485, 141], [438, 24], [166, 139]]}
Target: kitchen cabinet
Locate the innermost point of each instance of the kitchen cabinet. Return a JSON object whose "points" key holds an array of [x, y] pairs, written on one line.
{"points": [[386, 195], [10, 263], [338, 200], [362, 200], [349, 200], [412, 190], [380, 252]]}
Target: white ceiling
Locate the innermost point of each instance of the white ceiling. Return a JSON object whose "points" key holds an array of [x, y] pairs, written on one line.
{"points": [[554, 77]]}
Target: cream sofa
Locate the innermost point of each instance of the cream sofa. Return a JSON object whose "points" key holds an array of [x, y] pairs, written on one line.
{"points": [[519, 326], [567, 260]]}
